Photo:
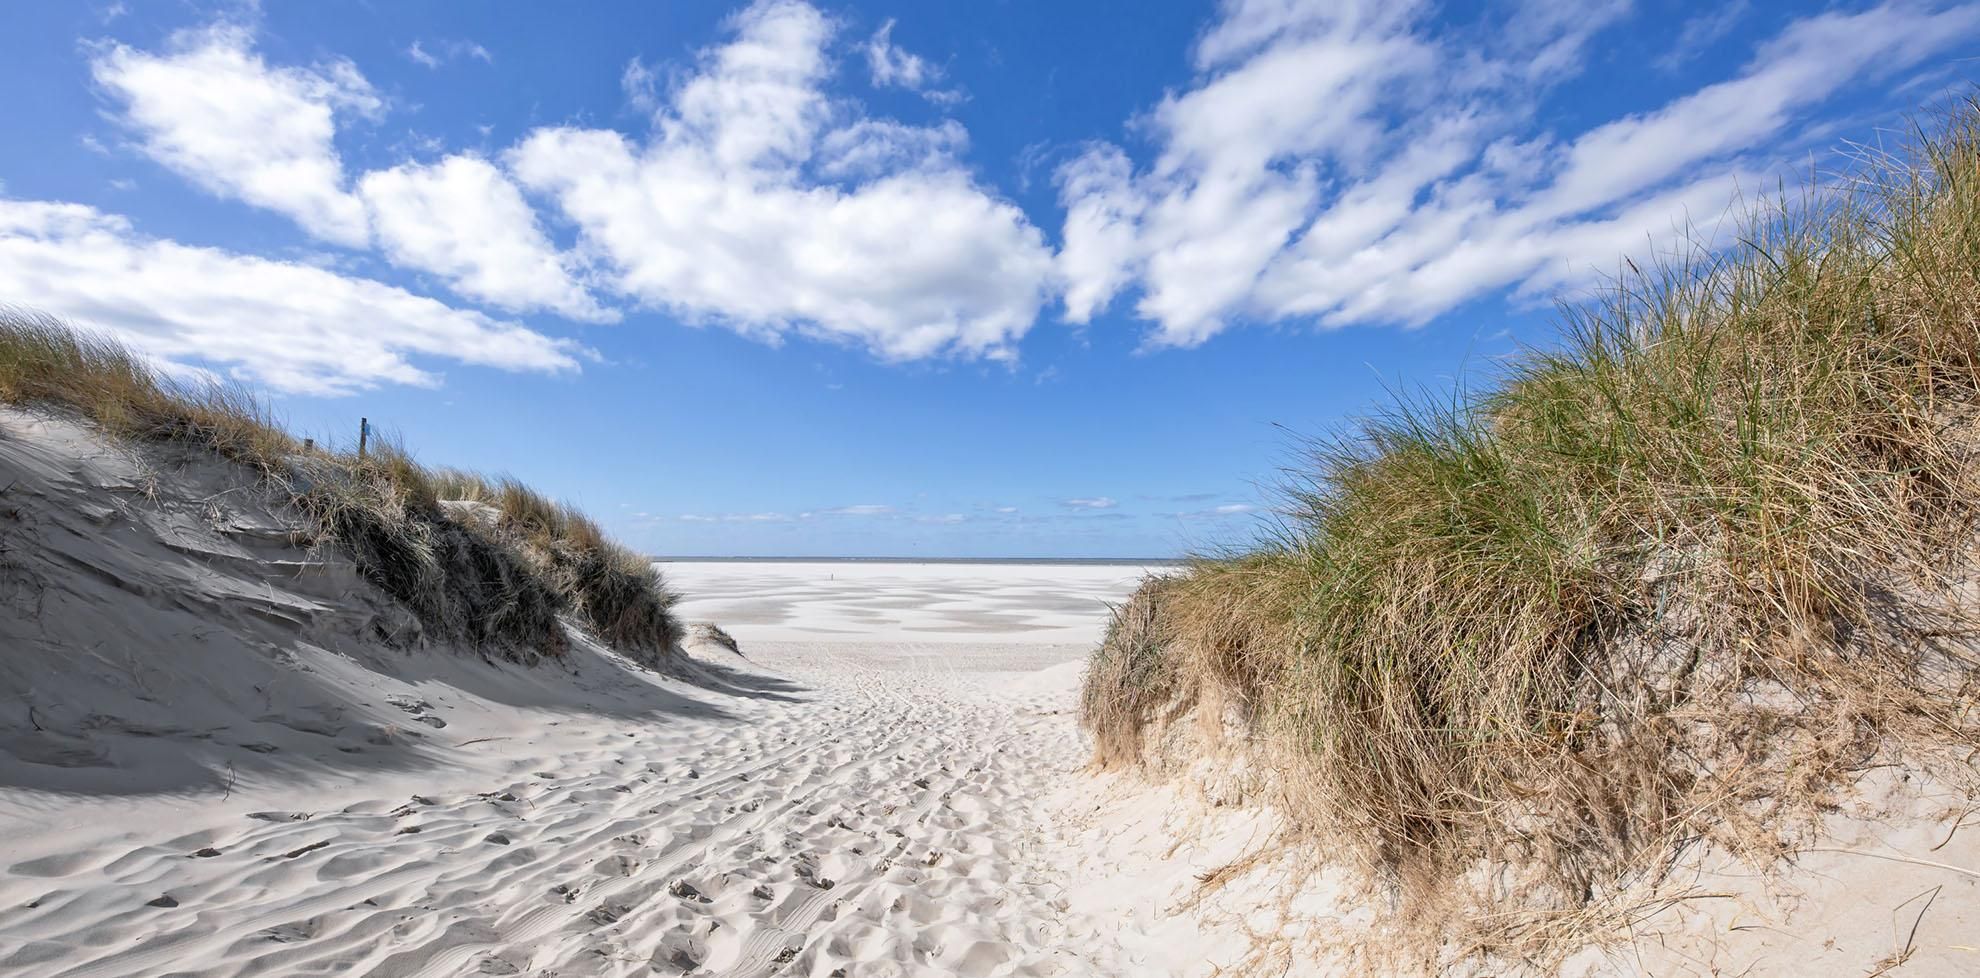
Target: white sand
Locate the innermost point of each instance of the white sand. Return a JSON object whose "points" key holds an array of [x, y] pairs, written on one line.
{"points": [[212, 764], [1027, 604]]}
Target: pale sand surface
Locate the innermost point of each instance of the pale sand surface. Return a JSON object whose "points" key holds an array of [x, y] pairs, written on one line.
{"points": [[210, 764], [1030, 604], [868, 806]]}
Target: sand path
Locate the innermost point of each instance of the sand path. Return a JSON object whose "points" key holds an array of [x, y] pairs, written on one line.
{"points": [[858, 809]]}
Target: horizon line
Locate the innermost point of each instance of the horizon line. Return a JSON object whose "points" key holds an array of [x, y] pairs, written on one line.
{"points": [[900, 559]]}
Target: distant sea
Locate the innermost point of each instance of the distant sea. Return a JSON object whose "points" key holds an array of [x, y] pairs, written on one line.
{"points": [[1095, 561]]}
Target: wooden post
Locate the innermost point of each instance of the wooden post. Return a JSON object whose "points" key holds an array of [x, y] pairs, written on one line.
{"points": [[364, 435], [309, 444]]}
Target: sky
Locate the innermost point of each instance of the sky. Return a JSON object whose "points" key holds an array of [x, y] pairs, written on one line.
{"points": [[988, 279]]}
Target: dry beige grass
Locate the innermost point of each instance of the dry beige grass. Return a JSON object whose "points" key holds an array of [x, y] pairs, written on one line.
{"points": [[708, 631], [1675, 579], [500, 587], [617, 592]]}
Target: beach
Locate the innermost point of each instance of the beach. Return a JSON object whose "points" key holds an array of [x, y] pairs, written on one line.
{"points": [[872, 787]]}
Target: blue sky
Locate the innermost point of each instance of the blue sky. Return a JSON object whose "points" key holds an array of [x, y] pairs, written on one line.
{"points": [[982, 279]]}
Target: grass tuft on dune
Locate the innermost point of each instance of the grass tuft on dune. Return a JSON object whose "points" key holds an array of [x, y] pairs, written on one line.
{"points": [[497, 583], [1680, 577]]}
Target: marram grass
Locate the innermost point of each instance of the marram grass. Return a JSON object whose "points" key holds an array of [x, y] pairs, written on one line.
{"points": [[497, 585], [1676, 577]]}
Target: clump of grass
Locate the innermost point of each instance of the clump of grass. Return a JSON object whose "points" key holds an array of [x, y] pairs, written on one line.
{"points": [[1675, 578], [501, 587], [43, 360], [1132, 679], [382, 512], [708, 631], [615, 591]]}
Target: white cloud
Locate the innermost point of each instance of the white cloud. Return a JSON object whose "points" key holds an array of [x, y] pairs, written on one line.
{"points": [[863, 509], [943, 519], [721, 215], [875, 147], [1094, 502], [1102, 240], [1702, 31], [641, 85], [212, 110], [293, 327], [1225, 513], [735, 518], [463, 220], [892, 65], [445, 51], [1345, 163]]}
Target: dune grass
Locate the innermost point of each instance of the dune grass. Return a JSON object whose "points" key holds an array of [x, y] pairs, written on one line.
{"points": [[497, 585], [1676, 577]]}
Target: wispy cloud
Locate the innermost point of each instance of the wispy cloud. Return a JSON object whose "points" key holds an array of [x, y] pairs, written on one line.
{"points": [[892, 65], [1091, 502], [1353, 162], [862, 509], [1702, 31], [442, 52], [1226, 511], [734, 518]]}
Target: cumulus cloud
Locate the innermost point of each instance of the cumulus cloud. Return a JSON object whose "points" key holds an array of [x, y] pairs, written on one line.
{"points": [[1093, 502], [1350, 163], [759, 203], [462, 219], [210, 109], [293, 327]]}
